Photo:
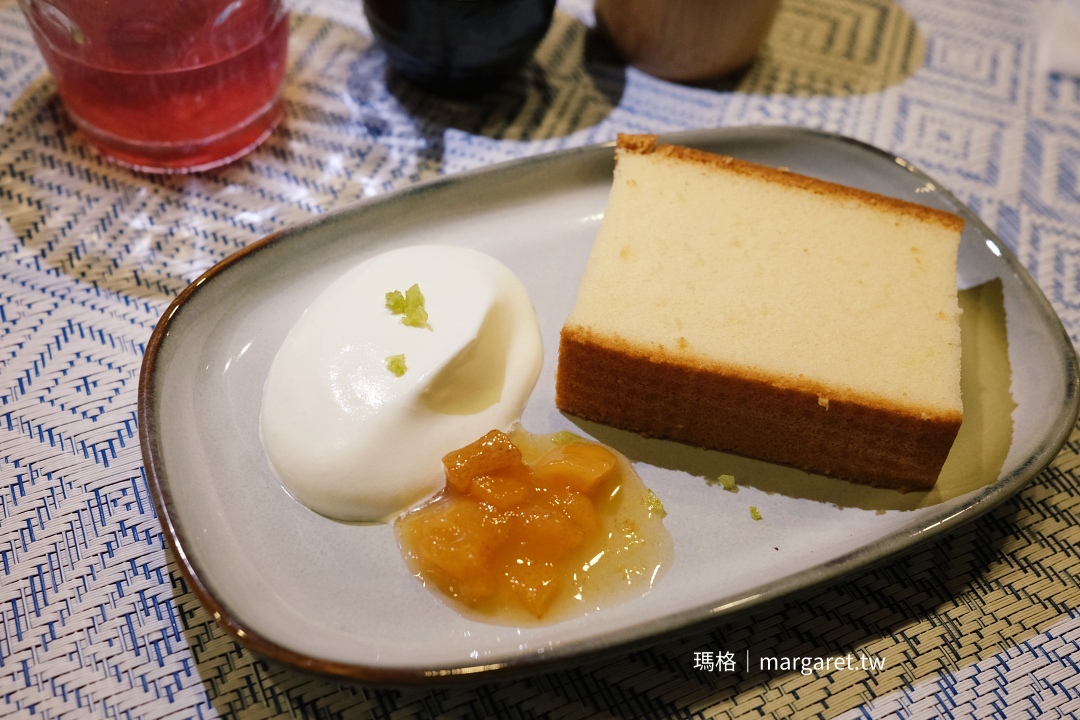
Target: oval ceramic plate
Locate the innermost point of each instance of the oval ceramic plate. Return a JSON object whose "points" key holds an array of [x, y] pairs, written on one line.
{"points": [[336, 598]]}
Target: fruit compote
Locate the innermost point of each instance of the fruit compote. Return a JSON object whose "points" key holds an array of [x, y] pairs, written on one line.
{"points": [[536, 528]]}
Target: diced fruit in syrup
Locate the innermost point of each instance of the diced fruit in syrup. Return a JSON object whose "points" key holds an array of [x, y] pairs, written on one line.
{"points": [[499, 491], [535, 583], [455, 541], [577, 467], [509, 533], [544, 529], [492, 454]]}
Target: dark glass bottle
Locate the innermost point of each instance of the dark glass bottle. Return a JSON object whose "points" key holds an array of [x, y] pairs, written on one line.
{"points": [[458, 47]]}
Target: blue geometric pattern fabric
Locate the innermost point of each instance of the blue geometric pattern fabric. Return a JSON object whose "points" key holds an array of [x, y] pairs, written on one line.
{"points": [[96, 620]]}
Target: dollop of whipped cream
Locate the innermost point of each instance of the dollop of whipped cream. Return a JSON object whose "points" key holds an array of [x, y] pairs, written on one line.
{"points": [[353, 441]]}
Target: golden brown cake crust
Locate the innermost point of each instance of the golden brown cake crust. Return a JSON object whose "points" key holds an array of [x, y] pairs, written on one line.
{"points": [[705, 400], [608, 382], [647, 144]]}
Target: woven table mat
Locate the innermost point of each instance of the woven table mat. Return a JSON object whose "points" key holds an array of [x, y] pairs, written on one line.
{"points": [[95, 619]]}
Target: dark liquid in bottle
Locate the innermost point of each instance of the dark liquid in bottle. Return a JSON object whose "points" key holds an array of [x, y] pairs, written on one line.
{"points": [[459, 47]]}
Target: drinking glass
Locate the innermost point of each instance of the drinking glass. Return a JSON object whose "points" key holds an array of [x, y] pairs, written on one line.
{"points": [[166, 85]]}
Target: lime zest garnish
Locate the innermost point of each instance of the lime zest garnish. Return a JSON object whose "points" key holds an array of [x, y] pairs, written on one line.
{"points": [[395, 302], [655, 506], [415, 312], [396, 364], [754, 514], [725, 481], [410, 306]]}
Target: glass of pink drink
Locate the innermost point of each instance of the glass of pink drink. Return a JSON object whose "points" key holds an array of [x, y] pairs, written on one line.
{"points": [[166, 85]]}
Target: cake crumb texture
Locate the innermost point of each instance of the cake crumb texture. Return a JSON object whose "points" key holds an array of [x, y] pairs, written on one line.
{"points": [[755, 310]]}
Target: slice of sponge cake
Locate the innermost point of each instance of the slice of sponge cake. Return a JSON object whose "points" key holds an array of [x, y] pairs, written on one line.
{"points": [[744, 308]]}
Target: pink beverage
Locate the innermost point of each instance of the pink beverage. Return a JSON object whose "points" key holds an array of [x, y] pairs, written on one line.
{"points": [[166, 85]]}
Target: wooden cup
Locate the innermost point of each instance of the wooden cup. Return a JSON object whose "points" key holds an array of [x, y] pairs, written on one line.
{"points": [[686, 41]]}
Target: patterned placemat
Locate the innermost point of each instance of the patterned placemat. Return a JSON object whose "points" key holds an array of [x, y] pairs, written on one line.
{"points": [[95, 620]]}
